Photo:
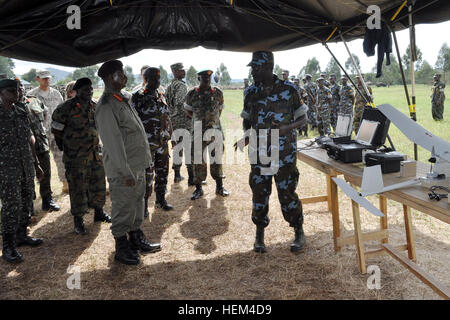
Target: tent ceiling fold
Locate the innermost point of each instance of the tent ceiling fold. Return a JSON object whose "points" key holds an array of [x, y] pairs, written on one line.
{"points": [[37, 31]]}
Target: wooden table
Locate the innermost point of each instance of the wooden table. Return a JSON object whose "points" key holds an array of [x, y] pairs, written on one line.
{"points": [[412, 197]]}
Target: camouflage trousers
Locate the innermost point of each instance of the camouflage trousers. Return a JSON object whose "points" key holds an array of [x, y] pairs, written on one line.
{"points": [[200, 170], [437, 111], [160, 157], [87, 186], [357, 116], [311, 113], [57, 157], [286, 181], [334, 108], [346, 108], [16, 195], [323, 120], [180, 156], [45, 189]]}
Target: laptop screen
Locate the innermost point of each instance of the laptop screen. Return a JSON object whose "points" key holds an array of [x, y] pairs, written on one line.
{"points": [[367, 131], [344, 125]]}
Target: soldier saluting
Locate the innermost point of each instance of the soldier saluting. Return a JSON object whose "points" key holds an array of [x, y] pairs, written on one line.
{"points": [[205, 104], [76, 135]]}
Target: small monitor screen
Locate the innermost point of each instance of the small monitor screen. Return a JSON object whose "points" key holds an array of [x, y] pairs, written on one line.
{"points": [[367, 131], [344, 125]]}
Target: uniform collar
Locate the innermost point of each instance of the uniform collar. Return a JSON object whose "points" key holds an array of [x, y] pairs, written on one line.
{"points": [[211, 89]]}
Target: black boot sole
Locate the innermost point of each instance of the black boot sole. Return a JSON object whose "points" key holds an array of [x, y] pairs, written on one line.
{"points": [[259, 249], [150, 251], [15, 261], [30, 244], [296, 248], [127, 262]]}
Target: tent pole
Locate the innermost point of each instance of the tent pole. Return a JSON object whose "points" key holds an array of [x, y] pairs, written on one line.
{"points": [[358, 71], [345, 72], [413, 58]]}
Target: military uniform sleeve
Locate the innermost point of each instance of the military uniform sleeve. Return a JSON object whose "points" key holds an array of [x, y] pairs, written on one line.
{"points": [[108, 128], [188, 102], [245, 114], [59, 118], [180, 95], [221, 99], [299, 107]]}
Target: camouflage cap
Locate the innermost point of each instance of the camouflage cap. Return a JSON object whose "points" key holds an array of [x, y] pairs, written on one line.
{"points": [[177, 66], [205, 72], [437, 75], [260, 58], [109, 67], [332, 76], [285, 72], [323, 73], [43, 74], [344, 77], [7, 83], [308, 76]]}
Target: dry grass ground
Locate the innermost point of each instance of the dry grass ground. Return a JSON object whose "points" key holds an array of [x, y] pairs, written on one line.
{"points": [[207, 251]]}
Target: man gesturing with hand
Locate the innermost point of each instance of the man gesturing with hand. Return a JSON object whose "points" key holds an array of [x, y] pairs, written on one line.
{"points": [[126, 157]]}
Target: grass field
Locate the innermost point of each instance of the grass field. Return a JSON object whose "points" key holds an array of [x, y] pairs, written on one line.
{"points": [[207, 244]]}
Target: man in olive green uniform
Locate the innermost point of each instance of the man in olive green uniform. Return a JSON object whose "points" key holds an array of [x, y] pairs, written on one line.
{"points": [[360, 103], [76, 135], [176, 94], [437, 98], [204, 105], [16, 172], [126, 157]]}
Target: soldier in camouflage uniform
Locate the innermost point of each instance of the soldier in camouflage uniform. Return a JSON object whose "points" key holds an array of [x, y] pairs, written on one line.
{"points": [[36, 110], [437, 98], [51, 98], [347, 98], [205, 104], [16, 172], [323, 106], [274, 104], [304, 95], [360, 103], [335, 88], [311, 89], [324, 76], [176, 95], [151, 106], [76, 135]]}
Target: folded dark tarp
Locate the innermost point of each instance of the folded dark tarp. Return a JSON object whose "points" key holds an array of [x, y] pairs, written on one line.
{"points": [[37, 30]]}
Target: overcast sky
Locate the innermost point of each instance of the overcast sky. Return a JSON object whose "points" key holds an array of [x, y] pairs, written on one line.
{"points": [[429, 38]]}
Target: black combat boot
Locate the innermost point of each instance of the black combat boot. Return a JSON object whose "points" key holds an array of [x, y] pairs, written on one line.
{"points": [[146, 208], [162, 203], [101, 215], [178, 177], [10, 252], [23, 239], [79, 225], [220, 190], [49, 205], [259, 245], [198, 192], [138, 242], [299, 241], [123, 252], [191, 177]]}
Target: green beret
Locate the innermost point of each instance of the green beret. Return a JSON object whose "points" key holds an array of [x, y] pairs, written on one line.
{"points": [[81, 83], [205, 73], [109, 67], [8, 83]]}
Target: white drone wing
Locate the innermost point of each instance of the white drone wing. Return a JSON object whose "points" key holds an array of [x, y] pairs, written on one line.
{"points": [[353, 194], [416, 133]]}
